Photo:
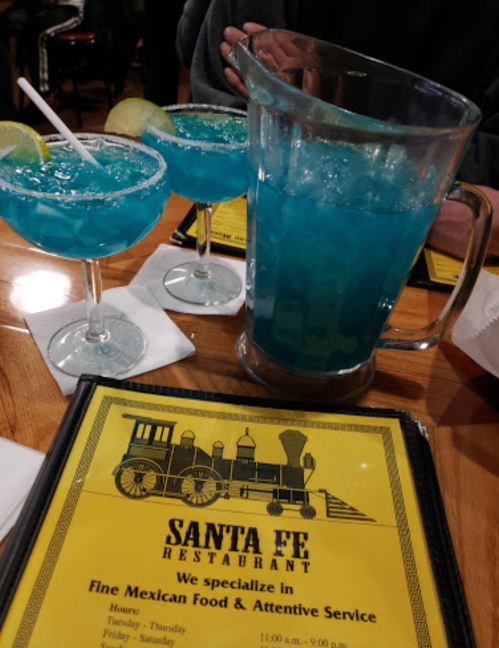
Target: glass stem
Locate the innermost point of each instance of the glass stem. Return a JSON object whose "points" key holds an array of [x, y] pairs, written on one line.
{"points": [[92, 281], [203, 244]]}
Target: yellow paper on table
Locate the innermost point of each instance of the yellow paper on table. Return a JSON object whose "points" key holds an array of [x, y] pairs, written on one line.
{"points": [[228, 225], [445, 269], [221, 522]]}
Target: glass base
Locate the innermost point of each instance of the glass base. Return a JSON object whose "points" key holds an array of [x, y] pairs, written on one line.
{"points": [[219, 286], [317, 387], [122, 348]]}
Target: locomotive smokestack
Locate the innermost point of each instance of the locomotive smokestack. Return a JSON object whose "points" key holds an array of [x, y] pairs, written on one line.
{"points": [[293, 442]]}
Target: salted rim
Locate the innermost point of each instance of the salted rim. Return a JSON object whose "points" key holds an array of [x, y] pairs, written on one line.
{"points": [[97, 196], [199, 143]]}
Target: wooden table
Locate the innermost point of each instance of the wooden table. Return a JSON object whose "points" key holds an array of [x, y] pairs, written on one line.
{"points": [[450, 394]]}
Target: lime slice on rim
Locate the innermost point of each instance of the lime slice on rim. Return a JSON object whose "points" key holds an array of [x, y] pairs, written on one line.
{"points": [[22, 142], [131, 116]]}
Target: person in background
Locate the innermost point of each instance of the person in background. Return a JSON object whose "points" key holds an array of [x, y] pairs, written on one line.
{"points": [[33, 23], [189, 26], [441, 41]]}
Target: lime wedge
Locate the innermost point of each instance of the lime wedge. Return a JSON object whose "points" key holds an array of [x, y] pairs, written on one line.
{"points": [[131, 116], [25, 144]]}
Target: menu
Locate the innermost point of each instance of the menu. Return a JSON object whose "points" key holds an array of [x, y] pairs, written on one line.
{"points": [[439, 271], [228, 228], [167, 517]]}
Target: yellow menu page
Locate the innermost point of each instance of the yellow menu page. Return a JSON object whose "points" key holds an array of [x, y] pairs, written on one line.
{"points": [[445, 269], [189, 524], [228, 224]]}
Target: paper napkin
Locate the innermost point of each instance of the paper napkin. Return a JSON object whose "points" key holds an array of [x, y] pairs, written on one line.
{"points": [[166, 257], [165, 341], [19, 467], [477, 329]]}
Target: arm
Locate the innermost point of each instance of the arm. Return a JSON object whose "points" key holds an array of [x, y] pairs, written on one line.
{"points": [[480, 166], [451, 231], [209, 84], [188, 29]]}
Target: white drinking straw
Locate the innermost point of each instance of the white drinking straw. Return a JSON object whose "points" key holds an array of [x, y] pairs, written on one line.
{"points": [[56, 121]]}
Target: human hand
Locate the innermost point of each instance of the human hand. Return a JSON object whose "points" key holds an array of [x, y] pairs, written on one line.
{"points": [[231, 35], [283, 55], [451, 231]]}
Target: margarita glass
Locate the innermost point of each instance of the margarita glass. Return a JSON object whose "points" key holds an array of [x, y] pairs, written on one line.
{"points": [[73, 209], [207, 164]]}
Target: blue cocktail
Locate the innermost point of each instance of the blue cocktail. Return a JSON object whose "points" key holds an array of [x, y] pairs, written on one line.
{"points": [[68, 207], [207, 164]]}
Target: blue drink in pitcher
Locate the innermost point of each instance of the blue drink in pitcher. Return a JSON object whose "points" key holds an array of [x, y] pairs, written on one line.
{"points": [[331, 241]]}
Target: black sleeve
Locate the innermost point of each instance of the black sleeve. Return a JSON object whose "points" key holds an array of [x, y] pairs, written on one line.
{"points": [[207, 78], [189, 25], [480, 165]]}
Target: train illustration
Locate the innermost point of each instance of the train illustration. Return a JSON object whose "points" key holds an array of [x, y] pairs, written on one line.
{"points": [[154, 465]]}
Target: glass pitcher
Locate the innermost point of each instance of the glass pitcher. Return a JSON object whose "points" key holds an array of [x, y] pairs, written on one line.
{"points": [[350, 160]]}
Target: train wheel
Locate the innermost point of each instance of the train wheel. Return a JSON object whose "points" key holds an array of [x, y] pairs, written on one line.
{"points": [[274, 508], [200, 485], [137, 478], [308, 512]]}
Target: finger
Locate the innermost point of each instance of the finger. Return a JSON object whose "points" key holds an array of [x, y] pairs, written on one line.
{"points": [[225, 48], [235, 81], [231, 35], [294, 53], [311, 83], [251, 27]]}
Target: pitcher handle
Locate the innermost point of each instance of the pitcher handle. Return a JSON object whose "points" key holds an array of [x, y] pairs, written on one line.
{"points": [[424, 338]]}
